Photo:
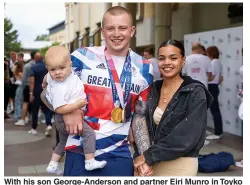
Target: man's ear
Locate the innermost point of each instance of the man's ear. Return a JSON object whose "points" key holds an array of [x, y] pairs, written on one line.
{"points": [[133, 29]]}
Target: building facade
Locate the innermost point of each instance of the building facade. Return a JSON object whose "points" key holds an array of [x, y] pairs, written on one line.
{"points": [[161, 20], [57, 33]]}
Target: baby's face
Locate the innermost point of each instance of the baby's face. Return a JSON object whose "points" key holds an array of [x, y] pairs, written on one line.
{"points": [[59, 71]]}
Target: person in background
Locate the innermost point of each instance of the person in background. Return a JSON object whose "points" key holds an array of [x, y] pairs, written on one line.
{"points": [[198, 66], [13, 86], [6, 86], [25, 81], [213, 87], [204, 50], [148, 53], [37, 73], [18, 74]]}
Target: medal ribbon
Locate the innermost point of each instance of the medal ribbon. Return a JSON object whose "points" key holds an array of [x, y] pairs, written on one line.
{"points": [[116, 83]]}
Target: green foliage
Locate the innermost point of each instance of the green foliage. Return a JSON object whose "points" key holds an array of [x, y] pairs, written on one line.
{"points": [[44, 50], [43, 37], [10, 38]]}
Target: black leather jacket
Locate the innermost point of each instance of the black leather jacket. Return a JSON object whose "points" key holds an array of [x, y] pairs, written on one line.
{"points": [[182, 128]]}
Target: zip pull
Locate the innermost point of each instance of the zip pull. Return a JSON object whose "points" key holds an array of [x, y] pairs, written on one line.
{"points": [[186, 119]]}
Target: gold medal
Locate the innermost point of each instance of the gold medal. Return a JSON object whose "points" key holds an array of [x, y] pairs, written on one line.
{"points": [[116, 115]]}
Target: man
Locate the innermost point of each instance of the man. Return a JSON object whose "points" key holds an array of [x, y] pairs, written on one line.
{"points": [[148, 53], [198, 66], [6, 86], [13, 86], [26, 95], [101, 69], [13, 60], [37, 73]]}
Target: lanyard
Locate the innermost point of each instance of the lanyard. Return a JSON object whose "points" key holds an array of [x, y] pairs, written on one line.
{"points": [[116, 83]]}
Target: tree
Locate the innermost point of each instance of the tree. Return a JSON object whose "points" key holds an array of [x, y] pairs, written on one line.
{"points": [[44, 50], [43, 37], [10, 38]]}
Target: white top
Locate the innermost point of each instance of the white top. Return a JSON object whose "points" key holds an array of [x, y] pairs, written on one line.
{"points": [[157, 115], [157, 74], [119, 63], [217, 71], [197, 66], [66, 92]]}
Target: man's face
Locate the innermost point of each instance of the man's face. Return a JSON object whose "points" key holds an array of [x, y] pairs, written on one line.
{"points": [[117, 32], [13, 56]]}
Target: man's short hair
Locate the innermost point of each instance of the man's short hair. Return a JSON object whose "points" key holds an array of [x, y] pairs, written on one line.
{"points": [[20, 54], [149, 50], [197, 46], [117, 10], [32, 54]]}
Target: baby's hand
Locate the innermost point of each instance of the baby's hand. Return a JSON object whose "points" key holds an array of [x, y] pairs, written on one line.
{"points": [[81, 103]]}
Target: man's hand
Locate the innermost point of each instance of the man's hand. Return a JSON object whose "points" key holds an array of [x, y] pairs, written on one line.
{"points": [[44, 84], [73, 122], [139, 161]]}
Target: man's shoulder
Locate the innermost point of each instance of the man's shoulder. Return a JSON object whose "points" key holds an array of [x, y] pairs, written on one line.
{"points": [[89, 51]]}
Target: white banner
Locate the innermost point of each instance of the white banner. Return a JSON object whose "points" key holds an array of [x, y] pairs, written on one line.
{"points": [[230, 43]]}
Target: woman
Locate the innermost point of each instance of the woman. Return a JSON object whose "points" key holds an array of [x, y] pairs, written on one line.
{"points": [[18, 74], [213, 87], [177, 117]]}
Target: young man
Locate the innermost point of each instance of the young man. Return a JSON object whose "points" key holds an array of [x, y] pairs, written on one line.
{"points": [[103, 71]]}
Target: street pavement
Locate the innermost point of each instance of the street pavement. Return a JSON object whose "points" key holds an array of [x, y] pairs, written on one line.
{"points": [[29, 155]]}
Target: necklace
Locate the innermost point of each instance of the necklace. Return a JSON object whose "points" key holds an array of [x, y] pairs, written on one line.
{"points": [[170, 94]]}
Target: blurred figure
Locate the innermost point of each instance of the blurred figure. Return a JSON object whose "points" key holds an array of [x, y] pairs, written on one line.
{"points": [[18, 74], [13, 60], [20, 57], [26, 90], [6, 86], [38, 71], [148, 54], [213, 87], [204, 50], [13, 87], [198, 66]]}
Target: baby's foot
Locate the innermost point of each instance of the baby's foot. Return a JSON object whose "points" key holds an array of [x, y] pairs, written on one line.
{"points": [[93, 164]]}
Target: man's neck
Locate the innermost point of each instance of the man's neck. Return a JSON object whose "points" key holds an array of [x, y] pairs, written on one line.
{"points": [[122, 53]]}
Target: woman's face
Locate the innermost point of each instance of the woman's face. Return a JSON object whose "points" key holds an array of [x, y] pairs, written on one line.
{"points": [[170, 61]]}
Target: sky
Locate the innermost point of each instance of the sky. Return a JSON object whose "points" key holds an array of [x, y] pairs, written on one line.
{"points": [[34, 18]]}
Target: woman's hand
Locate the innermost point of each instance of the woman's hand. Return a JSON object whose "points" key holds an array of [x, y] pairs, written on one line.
{"points": [[141, 167]]}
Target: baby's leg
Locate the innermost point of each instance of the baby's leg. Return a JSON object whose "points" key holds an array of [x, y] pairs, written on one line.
{"points": [[59, 150], [89, 144]]}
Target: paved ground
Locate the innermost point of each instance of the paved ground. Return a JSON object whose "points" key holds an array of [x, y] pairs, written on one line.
{"points": [[28, 155]]}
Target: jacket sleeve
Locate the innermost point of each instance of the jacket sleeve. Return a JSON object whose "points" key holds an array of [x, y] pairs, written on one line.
{"points": [[185, 135]]}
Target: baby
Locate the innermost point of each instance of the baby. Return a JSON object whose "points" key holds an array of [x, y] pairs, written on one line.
{"points": [[65, 92]]}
